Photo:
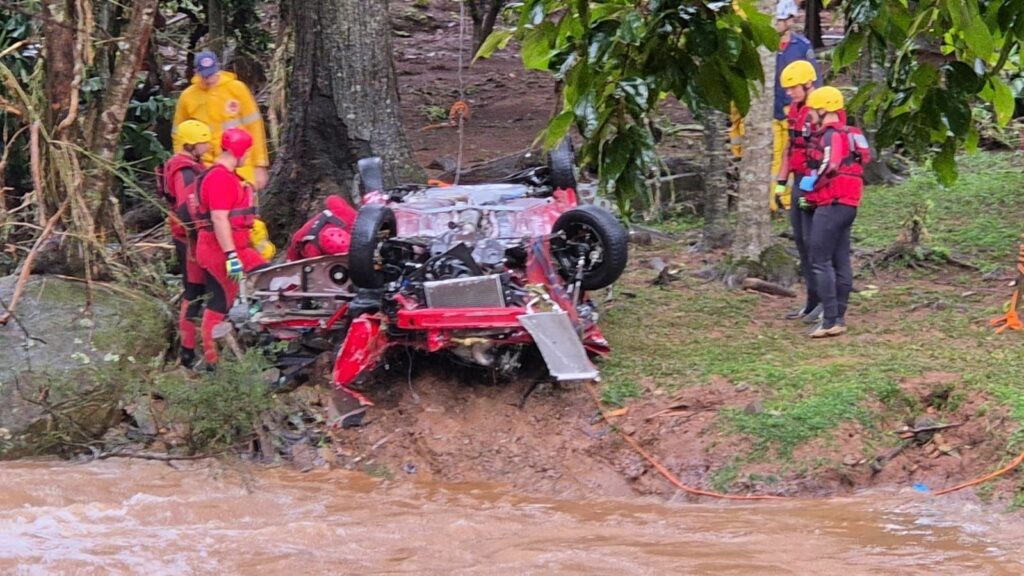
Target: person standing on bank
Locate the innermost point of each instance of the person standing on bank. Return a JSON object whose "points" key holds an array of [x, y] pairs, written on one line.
{"points": [[833, 192], [226, 215], [798, 79], [222, 101], [792, 48]]}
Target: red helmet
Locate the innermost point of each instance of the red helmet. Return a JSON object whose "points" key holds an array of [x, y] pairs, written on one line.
{"points": [[236, 141], [333, 240]]}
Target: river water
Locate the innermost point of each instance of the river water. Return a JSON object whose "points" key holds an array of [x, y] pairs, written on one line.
{"points": [[219, 518]]}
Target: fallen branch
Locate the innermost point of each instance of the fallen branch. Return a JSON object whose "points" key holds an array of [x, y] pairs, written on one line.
{"points": [[26, 267], [157, 457], [766, 287]]}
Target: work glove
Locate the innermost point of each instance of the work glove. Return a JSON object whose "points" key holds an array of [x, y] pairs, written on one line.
{"points": [[807, 183], [780, 188], [234, 266], [805, 205]]}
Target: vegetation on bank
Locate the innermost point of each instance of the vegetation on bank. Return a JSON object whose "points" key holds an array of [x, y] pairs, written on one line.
{"points": [[904, 324]]}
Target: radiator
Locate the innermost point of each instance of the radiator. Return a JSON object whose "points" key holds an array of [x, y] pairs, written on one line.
{"points": [[474, 292]]}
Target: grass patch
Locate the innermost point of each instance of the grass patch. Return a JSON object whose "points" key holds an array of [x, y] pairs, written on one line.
{"points": [[969, 217], [618, 392], [690, 333]]}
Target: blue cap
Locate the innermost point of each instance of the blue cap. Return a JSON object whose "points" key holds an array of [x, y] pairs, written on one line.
{"points": [[207, 64]]}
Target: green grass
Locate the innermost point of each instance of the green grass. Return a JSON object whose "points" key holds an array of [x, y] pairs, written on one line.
{"points": [[686, 334], [977, 216]]}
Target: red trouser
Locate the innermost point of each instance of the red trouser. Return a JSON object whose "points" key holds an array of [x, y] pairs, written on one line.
{"points": [[193, 280], [223, 290]]}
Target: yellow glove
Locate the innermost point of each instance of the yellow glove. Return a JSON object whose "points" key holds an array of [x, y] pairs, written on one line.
{"points": [[266, 249], [258, 233], [259, 238]]}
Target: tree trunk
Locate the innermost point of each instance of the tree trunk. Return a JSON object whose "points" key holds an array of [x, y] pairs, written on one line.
{"points": [[217, 31], [106, 135], [716, 180], [812, 23], [484, 14], [753, 220], [342, 106]]}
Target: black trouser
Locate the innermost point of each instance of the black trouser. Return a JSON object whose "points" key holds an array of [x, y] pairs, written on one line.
{"points": [[830, 257], [800, 220], [193, 292]]}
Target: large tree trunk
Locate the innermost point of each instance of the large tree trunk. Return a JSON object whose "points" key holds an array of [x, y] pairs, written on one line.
{"points": [[753, 220], [716, 180], [342, 106]]}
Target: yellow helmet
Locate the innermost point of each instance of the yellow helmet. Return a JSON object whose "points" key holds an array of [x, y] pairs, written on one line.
{"points": [[194, 132], [798, 73], [828, 98], [260, 240]]}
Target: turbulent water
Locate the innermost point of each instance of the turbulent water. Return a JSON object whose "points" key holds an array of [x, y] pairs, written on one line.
{"points": [[215, 518]]}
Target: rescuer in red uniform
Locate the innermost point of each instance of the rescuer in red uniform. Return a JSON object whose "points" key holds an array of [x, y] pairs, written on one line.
{"points": [[225, 216], [833, 191], [176, 181], [326, 233]]}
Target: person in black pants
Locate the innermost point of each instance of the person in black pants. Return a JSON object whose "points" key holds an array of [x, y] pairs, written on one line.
{"points": [[798, 80], [833, 193]]}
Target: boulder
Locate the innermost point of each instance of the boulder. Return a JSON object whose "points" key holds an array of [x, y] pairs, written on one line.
{"points": [[63, 386]]}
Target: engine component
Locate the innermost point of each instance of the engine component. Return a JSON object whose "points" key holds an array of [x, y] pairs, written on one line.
{"points": [[474, 292]]}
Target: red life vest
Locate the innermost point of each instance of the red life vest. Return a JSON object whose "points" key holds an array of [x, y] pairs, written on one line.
{"points": [[800, 132], [175, 196], [844, 181], [241, 217]]}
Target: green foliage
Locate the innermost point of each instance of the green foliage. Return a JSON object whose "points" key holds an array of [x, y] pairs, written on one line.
{"points": [[434, 113], [617, 392], [220, 410], [617, 60], [924, 106]]}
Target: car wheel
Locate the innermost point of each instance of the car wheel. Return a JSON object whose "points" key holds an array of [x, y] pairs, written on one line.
{"points": [[562, 165], [373, 225], [599, 238]]}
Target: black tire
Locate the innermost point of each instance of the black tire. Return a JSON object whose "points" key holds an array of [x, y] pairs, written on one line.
{"points": [[374, 224], [562, 165], [598, 228]]}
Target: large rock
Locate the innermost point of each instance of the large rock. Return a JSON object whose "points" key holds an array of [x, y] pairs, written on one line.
{"points": [[66, 389]]}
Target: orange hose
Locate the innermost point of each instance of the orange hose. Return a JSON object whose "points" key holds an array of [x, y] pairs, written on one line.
{"points": [[665, 471], [1016, 462]]}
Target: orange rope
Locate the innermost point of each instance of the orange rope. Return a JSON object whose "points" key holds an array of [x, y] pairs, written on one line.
{"points": [[665, 471], [1016, 462]]}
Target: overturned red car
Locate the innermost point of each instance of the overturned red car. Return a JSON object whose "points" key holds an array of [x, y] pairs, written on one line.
{"points": [[481, 272]]}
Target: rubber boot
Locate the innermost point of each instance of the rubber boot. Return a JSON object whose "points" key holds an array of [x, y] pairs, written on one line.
{"points": [[210, 321], [187, 333]]}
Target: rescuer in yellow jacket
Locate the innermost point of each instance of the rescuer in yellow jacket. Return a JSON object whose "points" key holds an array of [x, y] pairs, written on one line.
{"points": [[222, 101]]}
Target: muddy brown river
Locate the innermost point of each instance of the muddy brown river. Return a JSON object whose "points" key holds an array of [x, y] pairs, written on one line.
{"points": [[220, 518]]}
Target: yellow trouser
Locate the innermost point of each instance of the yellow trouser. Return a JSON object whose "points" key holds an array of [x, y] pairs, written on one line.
{"points": [[780, 137]]}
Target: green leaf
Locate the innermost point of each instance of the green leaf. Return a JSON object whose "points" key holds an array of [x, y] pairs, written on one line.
{"points": [[750, 63], [497, 40], [558, 128], [956, 112], [962, 79], [713, 87], [632, 29], [978, 38], [586, 113], [732, 43], [537, 51], [924, 76], [739, 90], [1002, 100], [637, 91], [848, 51], [971, 142], [944, 163]]}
